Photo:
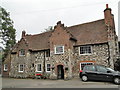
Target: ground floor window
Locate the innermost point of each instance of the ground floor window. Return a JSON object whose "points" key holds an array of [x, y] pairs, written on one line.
{"points": [[82, 64], [21, 67], [48, 68], [38, 68], [5, 67]]}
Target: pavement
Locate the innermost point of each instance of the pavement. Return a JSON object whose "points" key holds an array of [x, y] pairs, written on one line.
{"points": [[40, 83]]}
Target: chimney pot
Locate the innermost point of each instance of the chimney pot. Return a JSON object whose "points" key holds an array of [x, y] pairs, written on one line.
{"points": [[106, 5], [59, 22], [23, 34]]}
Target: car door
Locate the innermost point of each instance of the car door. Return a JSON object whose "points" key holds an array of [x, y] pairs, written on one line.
{"points": [[102, 74], [91, 72]]}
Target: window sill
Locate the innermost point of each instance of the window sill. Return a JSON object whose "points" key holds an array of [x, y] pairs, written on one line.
{"points": [[59, 53], [21, 55], [85, 54], [5, 70], [20, 71], [38, 71]]}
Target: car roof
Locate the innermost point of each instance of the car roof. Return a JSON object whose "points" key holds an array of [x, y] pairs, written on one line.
{"points": [[95, 65]]}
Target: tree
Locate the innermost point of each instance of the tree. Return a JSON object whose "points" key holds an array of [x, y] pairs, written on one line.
{"points": [[7, 32]]}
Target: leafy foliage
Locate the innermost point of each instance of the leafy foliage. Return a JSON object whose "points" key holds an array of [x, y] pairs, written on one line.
{"points": [[7, 31]]}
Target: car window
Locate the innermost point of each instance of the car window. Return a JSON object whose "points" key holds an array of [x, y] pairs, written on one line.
{"points": [[90, 68], [101, 69], [110, 69]]}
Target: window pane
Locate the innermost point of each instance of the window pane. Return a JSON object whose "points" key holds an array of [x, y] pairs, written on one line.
{"points": [[48, 67], [59, 49], [101, 69], [85, 63], [91, 68], [5, 67], [22, 52], [38, 67], [85, 49], [21, 67]]}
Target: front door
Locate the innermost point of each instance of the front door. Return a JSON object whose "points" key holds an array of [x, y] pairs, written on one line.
{"points": [[60, 72]]}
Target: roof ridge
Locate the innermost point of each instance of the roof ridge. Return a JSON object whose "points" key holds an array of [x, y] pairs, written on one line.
{"points": [[85, 23], [39, 33]]}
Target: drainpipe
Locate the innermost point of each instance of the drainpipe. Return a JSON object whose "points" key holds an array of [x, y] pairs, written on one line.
{"points": [[44, 64]]}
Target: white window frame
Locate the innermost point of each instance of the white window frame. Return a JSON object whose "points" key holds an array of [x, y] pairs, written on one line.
{"points": [[37, 67], [85, 63], [19, 68], [47, 68], [20, 54], [59, 52], [5, 67], [86, 53]]}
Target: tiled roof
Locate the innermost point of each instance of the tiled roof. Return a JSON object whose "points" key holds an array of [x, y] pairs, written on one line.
{"points": [[87, 33], [39, 41], [90, 33]]}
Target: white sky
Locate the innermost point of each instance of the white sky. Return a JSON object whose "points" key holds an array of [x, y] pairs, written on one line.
{"points": [[34, 16]]}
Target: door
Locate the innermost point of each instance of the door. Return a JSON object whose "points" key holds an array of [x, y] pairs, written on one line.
{"points": [[91, 72], [60, 71], [102, 74]]}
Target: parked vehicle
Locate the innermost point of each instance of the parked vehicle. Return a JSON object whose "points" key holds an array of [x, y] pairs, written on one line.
{"points": [[98, 72]]}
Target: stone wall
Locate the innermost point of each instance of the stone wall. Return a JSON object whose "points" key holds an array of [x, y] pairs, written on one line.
{"points": [[100, 55], [30, 61], [70, 59], [66, 60]]}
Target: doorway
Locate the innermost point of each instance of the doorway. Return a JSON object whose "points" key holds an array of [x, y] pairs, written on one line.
{"points": [[60, 72]]}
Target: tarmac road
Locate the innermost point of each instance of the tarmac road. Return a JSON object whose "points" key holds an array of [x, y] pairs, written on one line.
{"points": [[40, 83]]}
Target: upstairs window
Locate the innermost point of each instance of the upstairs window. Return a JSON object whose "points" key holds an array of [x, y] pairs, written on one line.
{"points": [[21, 67], [5, 67], [85, 50], [22, 52], [48, 68], [59, 49]]}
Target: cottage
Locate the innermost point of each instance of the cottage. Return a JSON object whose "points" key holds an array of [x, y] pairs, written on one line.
{"points": [[63, 51]]}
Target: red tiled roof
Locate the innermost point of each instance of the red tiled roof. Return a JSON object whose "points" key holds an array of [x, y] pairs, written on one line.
{"points": [[39, 41], [87, 33]]}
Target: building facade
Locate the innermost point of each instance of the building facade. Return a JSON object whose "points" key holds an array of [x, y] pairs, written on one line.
{"points": [[1, 52], [62, 52]]}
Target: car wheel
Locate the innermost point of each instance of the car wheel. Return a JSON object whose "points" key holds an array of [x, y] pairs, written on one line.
{"points": [[117, 80], [84, 78]]}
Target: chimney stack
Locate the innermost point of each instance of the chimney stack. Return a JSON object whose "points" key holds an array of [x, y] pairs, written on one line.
{"points": [[108, 16], [23, 34]]}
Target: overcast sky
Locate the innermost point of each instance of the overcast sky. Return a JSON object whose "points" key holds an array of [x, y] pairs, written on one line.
{"points": [[34, 16]]}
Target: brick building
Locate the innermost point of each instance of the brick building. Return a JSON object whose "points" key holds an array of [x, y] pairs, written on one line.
{"points": [[63, 51]]}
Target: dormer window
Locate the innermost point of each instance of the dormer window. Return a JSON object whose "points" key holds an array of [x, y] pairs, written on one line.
{"points": [[22, 52], [59, 49]]}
